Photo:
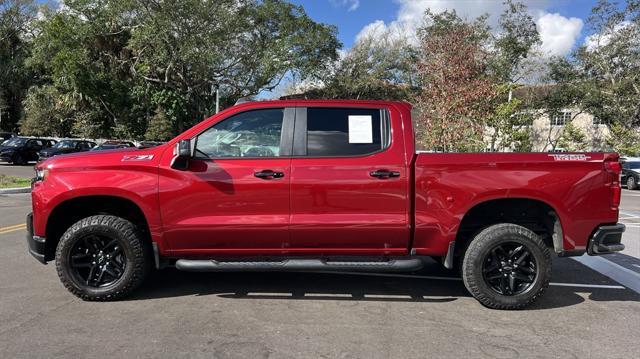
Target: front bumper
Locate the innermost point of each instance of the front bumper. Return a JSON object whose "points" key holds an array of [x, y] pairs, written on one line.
{"points": [[36, 244], [606, 239]]}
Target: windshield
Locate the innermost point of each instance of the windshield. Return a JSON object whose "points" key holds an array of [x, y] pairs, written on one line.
{"points": [[15, 142], [65, 144]]}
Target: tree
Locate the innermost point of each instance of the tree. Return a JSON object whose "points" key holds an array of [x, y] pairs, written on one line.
{"points": [[456, 91], [15, 47], [50, 113], [183, 48], [572, 139], [378, 67], [603, 76], [159, 128], [119, 60], [508, 124]]}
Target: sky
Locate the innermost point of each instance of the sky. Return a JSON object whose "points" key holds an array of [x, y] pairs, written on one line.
{"points": [[561, 23]]}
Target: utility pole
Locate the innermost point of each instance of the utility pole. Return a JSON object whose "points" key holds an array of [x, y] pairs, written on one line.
{"points": [[217, 88]]}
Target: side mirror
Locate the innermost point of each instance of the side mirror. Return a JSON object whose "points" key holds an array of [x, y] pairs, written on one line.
{"points": [[181, 155]]}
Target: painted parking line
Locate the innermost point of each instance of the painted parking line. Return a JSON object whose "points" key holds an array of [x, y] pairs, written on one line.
{"points": [[555, 284], [9, 229], [620, 274]]}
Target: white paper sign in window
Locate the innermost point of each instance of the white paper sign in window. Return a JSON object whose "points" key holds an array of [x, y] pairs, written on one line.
{"points": [[360, 129]]}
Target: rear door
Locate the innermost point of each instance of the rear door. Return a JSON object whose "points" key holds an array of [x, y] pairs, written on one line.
{"points": [[349, 182]]}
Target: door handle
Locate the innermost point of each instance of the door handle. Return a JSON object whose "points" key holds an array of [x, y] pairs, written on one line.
{"points": [[383, 174], [268, 174]]}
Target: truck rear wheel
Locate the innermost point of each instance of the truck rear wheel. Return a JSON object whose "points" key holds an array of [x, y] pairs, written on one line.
{"points": [[102, 258], [506, 266]]}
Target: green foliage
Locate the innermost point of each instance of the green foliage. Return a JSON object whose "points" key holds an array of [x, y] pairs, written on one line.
{"points": [[15, 47], [624, 141], [517, 36], [48, 112], [456, 93], [159, 128], [377, 67], [509, 123], [572, 138], [603, 76], [116, 61]]}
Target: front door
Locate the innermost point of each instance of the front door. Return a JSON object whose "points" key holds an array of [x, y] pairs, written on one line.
{"points": [[234, 198], [349, 182]]}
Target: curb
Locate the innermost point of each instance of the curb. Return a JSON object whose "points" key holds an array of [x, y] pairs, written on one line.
{"points": [[15, 190]]}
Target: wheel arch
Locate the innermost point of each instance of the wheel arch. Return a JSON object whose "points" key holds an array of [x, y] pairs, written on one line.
{"points": [[534, 214], [71, 210]]}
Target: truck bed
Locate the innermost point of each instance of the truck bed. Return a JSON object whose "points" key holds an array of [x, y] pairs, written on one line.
{"points": [[447, 186]]}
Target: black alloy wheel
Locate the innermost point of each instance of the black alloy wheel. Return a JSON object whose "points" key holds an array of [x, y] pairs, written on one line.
{"points": [[103, 257], [509, 269], [97, 261]]}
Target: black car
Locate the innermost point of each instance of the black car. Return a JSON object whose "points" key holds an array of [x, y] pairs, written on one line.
{"points": [[66, 146], [630, 174], [112, 145], [22, 150], [5, 136]]}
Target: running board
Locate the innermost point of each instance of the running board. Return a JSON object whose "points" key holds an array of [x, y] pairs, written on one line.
{"points": [[393, 265]]}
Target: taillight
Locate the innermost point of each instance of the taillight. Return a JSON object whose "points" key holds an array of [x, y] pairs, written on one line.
{"points": [[613, 168]]}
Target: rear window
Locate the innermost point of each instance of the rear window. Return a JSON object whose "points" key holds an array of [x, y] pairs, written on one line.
{"points": [[343, 131]]}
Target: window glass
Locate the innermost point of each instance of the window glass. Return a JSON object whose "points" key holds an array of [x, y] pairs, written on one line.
{"points": [[329, 132], [248, 134], [65, 144], [634, 165], [560, 118]]}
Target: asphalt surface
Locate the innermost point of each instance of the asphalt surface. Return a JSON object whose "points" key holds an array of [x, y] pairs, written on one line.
{"points": [[17, 171], [584, 314]]}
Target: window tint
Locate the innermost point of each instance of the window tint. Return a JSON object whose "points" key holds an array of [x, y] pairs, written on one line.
{"points": [[248, 134], [329, 132], [633, 165]]}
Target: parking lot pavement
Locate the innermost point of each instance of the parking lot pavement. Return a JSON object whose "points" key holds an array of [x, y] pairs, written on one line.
{"points": [[305, 315], [17, 171]]}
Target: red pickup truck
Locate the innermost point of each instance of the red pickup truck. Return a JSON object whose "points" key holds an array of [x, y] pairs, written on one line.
{"points": [[320, 185]]}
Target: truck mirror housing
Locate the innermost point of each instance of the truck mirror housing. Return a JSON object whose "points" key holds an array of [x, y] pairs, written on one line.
{"points": [[182, 154]]}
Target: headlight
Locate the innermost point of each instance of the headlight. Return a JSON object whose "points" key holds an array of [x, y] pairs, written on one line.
{"points": [[41, 174]]}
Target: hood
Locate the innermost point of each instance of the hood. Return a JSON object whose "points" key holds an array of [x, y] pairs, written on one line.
{"points": [[6, 148], [102, 159]]}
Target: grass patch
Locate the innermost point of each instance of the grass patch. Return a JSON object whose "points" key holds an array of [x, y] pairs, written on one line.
{"points": [[14, 182]]}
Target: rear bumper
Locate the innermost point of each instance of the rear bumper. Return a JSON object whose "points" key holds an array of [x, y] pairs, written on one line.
{"points": [[606, 239], [36, 244]]}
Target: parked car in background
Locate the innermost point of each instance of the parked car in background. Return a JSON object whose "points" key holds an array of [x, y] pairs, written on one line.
{"points": [[5, 136], [112, 145], [22, 150], [630, 172], [66, 146], [149, 144]]}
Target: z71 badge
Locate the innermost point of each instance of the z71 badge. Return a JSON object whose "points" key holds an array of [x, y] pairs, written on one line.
{"points": [[137, 158]]}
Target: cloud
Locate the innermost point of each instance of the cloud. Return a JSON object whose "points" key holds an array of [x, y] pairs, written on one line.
{"points": [[594, 41], [350, 4], [558, 33]]}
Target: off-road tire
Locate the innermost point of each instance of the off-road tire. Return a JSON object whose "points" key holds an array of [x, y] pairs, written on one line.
{"points": [[479, 248], [136, 249]]}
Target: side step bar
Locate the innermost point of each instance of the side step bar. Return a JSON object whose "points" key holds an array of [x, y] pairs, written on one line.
{"points": [[393, 265]]}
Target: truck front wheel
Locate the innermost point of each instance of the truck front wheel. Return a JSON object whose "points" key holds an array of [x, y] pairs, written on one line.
{"points": [[506, 266], [102, 258]]}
